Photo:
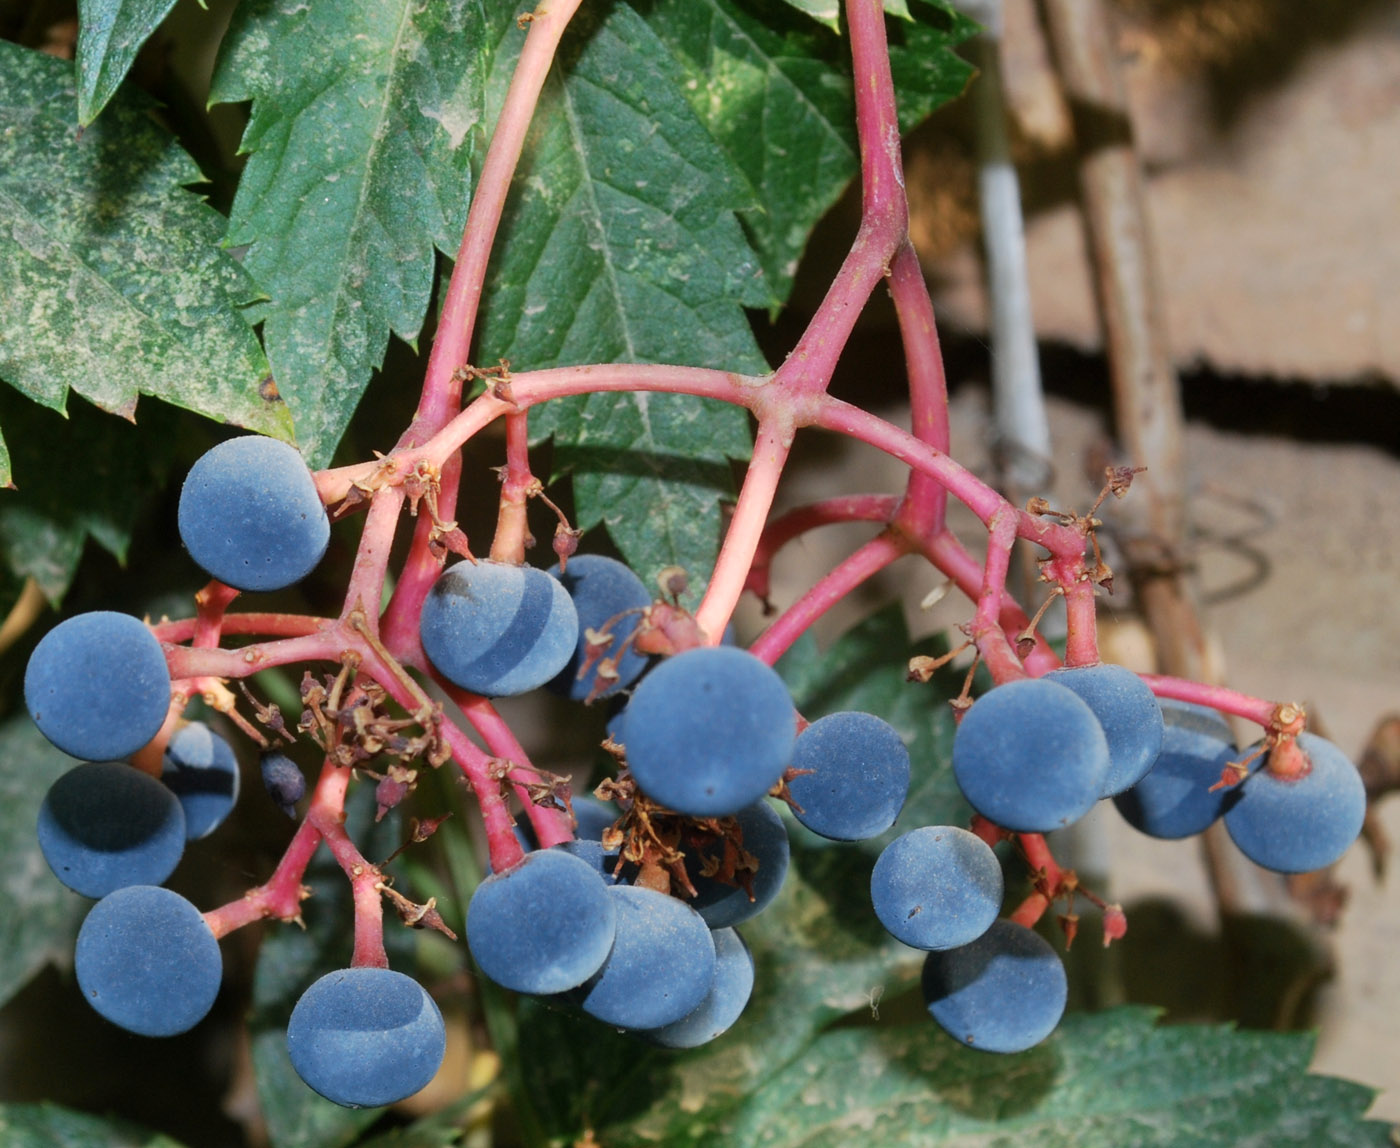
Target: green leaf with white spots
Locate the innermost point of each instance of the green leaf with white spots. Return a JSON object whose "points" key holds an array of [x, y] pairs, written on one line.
{"points": [[115, 285]]}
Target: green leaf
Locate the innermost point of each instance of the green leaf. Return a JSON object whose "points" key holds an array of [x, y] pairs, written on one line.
{"points": [[49, 1126], [366, 117], [1100, 1081], [621, 244], [440, 1130], [788, 1075], [114, 283], [645, 466], [289, 961], [776, 93], [42, 916], [815, 963], [44, 524], [110, 33]]}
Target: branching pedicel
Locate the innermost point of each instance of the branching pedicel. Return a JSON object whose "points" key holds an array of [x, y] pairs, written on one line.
{"points": [[380, 657]]}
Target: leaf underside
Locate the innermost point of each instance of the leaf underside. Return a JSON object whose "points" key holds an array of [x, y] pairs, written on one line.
{"points": [[110, 33]]}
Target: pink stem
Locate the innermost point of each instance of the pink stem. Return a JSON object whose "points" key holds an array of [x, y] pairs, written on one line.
{"points": [[475, 765], [796, 522], [327, 814], [398, 628], [442, 387], [366, 585], [926, 501], [333, 484], [949, 556], [270, 625], [326, 645], [210, 606], [531, 388], [501, 846], [512, 523], [552, 826], [1228, 701], [1081, 622], [981, 499], [770, 451], [877, 118], [1042, 863], [280, 896], [869, 560], [986, 631], [884, 208]]}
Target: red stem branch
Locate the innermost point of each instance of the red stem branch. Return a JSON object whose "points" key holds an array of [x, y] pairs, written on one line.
{"points": [[869, 560]]}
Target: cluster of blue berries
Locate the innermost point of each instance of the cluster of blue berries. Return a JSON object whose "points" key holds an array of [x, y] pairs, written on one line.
{"points": [[634, 922], [1035, 755], [706, 735], [98, 687]]}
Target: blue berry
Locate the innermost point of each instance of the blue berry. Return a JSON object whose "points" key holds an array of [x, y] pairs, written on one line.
{"points": [[938, 887], [97, 685], [283, 780], [661, 967], [147, 961], [617, 711], [591, 851], [1030, 756], [723, 1004], [202, 772], [602, 589], [498, 629], [765, 837], [593, 816], [1129, 714], [105, 825], [366, 1037], [543, 926], [250, 514], [1174, 797], [859, 778], [709, 731], [1297, 825], [1004, 992]]}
